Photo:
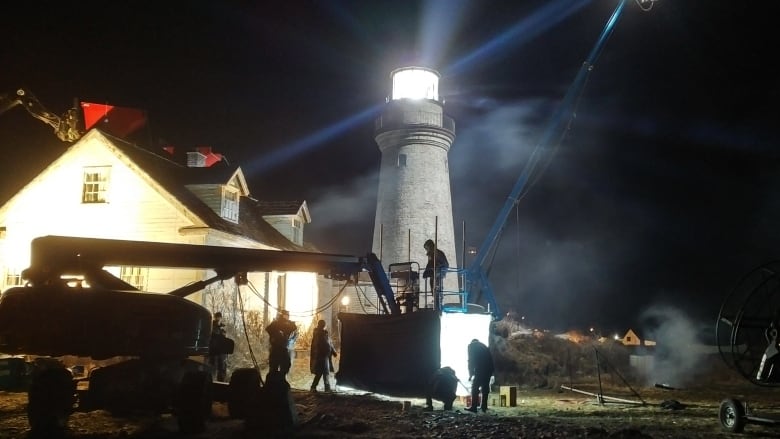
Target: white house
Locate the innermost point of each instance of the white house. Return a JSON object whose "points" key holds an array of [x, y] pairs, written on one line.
{"points": [[104, 187], [632, 339]]}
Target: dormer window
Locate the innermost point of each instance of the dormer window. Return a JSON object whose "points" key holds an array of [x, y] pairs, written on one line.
{"points": [[297, 231], [230, 204]]}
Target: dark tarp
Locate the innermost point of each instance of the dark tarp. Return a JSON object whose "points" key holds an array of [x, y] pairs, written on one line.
{"points": [[389, 354]]}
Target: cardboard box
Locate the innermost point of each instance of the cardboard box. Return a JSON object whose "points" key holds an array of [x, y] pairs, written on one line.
{"points": [[508, 396]]}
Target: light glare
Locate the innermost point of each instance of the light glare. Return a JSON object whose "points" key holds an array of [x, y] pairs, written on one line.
{"points": [[457, 331], [415, 83]]}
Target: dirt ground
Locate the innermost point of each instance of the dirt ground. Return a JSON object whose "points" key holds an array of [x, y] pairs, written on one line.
{"points": [[553, 401], [544, 413]]}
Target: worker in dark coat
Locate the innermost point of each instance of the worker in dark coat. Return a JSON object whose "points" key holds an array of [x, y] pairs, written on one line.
{"points": [[217, 355], [321, 356], [442, 387], [283, 334], [480, 371], [435, 270]]}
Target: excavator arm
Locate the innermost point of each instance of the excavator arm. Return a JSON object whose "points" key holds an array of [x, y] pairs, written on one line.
{"points": [[55, 256], [66, 127], [89, 312]]}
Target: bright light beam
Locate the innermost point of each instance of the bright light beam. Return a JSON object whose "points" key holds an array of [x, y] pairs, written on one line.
{"points": [[526, 30], [440, 20], [285, 153], [477, 270]]}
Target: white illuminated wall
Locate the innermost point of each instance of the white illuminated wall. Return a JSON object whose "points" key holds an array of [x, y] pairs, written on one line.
{"points": [[301, 298], [137, 208], [457, 331]]}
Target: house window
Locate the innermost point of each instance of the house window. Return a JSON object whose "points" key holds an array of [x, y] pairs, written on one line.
{"points": [[401, 160], [230, 205], [13, 278], [95, 184], [297, 231], [135, 276]]}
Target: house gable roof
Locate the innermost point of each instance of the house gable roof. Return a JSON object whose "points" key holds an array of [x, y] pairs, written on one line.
{"points": [[631, 333], [173, 178], [277, 208], [216, 175]]}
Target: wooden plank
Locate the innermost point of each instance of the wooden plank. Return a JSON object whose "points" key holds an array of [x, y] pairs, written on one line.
{"points": [[603, 398]]}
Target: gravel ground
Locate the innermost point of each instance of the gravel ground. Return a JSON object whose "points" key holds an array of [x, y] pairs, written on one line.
{"points": [[549, 413]]}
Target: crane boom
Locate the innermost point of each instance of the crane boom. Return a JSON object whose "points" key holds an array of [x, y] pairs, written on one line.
{"points": [[66, 127], [477, 281], [52, 256], [55, 259]]}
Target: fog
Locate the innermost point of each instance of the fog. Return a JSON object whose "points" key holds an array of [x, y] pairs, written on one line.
{"points": [[543, 267], [679, 352]]}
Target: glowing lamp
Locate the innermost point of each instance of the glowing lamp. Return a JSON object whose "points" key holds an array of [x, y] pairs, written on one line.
{"points": [[415, 83], [345, 301]]}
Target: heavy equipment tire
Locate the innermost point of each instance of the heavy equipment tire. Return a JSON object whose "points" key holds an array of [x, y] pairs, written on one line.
{"points": [[732, 415], [50, 401], [243, 392], [193, 401]]}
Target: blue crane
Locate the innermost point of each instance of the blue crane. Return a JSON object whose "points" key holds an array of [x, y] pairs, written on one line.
{"points": [[477, 284]]}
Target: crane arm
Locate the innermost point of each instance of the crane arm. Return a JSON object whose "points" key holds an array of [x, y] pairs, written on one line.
{"points": [[477, 273], [7, 102], [66, 127], [54, 256]]}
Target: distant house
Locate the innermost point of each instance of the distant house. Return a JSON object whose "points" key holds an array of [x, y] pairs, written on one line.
{"points": [[104, 187], [632, 339]]}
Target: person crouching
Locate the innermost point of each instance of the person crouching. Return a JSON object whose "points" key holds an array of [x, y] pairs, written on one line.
{"points": [[442, 387]]}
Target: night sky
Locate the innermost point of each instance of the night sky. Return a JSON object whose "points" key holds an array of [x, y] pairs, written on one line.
{"points": [[660, 197]]}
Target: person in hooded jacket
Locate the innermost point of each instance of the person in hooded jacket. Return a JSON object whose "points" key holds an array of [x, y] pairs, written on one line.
{"points": [[321, 356], [282, 333]]}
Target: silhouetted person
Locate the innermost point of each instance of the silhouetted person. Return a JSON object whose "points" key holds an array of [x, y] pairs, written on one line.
{"points": [[217, 357], [282, 333], [480, 371], [435, 270], [321, 356], [442, 387]]}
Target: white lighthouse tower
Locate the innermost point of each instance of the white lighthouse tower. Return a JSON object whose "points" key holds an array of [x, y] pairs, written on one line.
{"points": [[414, 201]]}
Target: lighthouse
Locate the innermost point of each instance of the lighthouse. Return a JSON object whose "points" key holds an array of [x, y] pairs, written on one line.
{"points": [[414, 202]]}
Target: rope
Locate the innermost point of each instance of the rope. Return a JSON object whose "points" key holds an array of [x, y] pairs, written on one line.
{"points": [[246, 333]]}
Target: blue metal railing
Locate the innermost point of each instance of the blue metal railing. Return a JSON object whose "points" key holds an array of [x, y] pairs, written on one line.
{"points": [[396, 118]]}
